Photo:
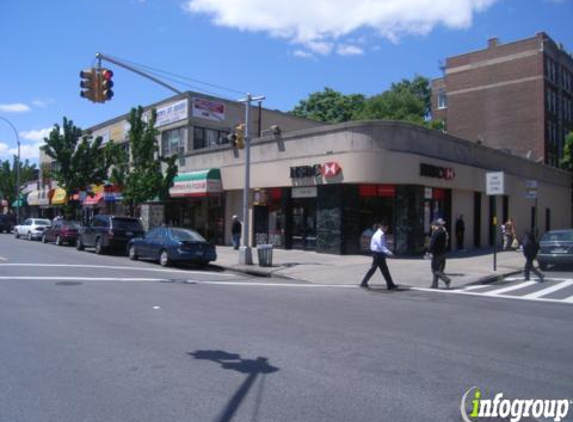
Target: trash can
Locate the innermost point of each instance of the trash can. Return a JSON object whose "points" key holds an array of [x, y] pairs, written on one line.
{"points": [[265, 255]]}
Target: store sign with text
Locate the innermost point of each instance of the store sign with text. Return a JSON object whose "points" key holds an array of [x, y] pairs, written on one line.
{"points": [[326, 170], [429, 170]]}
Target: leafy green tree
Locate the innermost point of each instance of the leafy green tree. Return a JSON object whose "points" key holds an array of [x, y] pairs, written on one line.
{"points": [[9, 176], [80, 160], [139, 171], [566, 162], [329, 106]]}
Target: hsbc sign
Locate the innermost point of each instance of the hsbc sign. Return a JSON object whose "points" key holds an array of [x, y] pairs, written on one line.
{"points": [[326, 170], [428, 170]]}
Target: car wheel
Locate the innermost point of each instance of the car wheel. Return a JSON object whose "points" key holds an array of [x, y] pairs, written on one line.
{"points": [[164, 259], [29, 236], [44, 240], [79, 245], [58, 241], [132, 253], [98, 247], [16, 235]]}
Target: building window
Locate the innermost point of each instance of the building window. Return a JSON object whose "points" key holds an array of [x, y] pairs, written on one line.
{"points": [[172, 141], [208, 138], [442, 99]]}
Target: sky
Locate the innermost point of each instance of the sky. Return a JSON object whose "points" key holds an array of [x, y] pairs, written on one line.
{"points": [[282, 49]]}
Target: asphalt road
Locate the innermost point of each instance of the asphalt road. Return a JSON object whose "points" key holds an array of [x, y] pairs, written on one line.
{"points": [[100, 338]]}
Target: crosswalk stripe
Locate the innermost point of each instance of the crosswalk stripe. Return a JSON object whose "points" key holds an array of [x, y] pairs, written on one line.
{"points": [[549, 290], [568, 299], [509, 288]]}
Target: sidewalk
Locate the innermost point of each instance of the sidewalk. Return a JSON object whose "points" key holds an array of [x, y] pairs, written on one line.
{"points": [[463, 267]]}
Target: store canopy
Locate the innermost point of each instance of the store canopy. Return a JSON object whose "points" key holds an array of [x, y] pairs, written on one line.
{"points": [[197, 184], [33, 198], [60, 197], [93, 200], [21, 202], [44, 198]]}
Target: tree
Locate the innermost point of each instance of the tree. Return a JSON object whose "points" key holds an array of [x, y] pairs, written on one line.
{"points": [[566, 162], [139, 171], [80, 160], [9, 176], [329, 106]]}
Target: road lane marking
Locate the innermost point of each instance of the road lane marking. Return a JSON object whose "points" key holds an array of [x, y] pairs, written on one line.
{"points": [[568, 299], [499, 292], [164, 270], [549, 290], [3, 259]]}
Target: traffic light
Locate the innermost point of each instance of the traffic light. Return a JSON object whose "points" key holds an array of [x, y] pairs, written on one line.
{"points": [[240, 136], [89, 84], [105, 85], [232, 138]]}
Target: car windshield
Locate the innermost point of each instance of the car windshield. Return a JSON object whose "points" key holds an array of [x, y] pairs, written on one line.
{"points": [[182, 235], [71, 224], [42, 222], [565, 236], [127, 224]]}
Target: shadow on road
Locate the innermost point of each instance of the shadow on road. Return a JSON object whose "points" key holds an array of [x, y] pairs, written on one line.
{"points": [[253, 368]]}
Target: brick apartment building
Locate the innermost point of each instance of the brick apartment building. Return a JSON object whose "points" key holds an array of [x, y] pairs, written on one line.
{"points": [[516, 96]]}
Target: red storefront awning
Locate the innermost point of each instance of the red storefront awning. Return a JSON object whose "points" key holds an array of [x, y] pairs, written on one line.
{"points": [[93, 200]]}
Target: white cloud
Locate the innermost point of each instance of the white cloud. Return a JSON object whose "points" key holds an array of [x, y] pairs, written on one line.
{"points": [[349, 50], [40, 102], [3, 148], [29, 151], [36, 135], [319, 24], [14, 108], [303, 54]]}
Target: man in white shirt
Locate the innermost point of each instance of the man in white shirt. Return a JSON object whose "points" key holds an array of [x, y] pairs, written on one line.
{"points": [[379, 251]]}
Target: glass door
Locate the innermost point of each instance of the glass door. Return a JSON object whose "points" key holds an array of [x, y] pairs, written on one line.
{"points": [[304, 224]]}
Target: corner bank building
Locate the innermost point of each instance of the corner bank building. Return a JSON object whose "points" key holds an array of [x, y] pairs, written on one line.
{"points": [[322, 187]]}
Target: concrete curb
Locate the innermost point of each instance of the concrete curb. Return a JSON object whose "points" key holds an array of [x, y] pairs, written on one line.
{"points": [[493, 278]]}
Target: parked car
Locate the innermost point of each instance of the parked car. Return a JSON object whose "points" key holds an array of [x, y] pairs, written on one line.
{"points": [[6, 223], [62, 231], [106, 232], [556, 247], [32, 228], [173, 244]]}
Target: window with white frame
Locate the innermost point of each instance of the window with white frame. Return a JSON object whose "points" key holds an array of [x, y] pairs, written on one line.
{"points": [[172, 140], [442, 99]]}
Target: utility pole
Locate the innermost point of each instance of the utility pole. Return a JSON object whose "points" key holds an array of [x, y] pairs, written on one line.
{"points": [[245, 253], [17, 170]]}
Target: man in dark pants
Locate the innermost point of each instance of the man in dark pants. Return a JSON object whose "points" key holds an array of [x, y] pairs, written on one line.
{"points": [[530, 249], [379, 251], [438, 247], [236, 232], [460, 229]]}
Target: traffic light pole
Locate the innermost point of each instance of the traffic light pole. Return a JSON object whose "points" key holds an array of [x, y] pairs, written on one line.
{"points": [[245, 253]]}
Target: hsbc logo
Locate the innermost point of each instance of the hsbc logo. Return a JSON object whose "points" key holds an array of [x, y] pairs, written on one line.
{"points": [[327, 170], [331, 169], [428, 170]]}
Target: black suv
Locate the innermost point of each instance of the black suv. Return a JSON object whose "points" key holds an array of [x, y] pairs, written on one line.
{"points": [[5, 223], [106, 232]]}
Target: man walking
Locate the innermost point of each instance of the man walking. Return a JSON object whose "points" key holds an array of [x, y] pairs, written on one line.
{"points": [[460, 229], [236, 232], [438, 247], [530, 249], [379, 250]]}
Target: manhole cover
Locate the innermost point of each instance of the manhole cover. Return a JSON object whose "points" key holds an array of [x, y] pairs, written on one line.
{"points": [[68, 283]]}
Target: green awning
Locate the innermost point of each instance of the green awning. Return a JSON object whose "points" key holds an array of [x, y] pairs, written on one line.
{"points": [[196, 184], [20, 202]]}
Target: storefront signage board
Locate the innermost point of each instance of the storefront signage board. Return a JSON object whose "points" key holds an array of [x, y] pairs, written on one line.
{"points": [[331, 169], [429, 170], [495, 183], [171, 113], [208, 109], [304, 192]]}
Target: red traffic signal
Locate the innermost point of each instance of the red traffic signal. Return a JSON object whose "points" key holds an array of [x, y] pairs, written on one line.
{"points": [[105, 85]]}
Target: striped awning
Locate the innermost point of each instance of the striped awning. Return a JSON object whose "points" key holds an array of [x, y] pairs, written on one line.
{"points": [[196, 184], [33, 198]]}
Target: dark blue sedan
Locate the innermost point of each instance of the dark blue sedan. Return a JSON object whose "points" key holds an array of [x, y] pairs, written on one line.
{"points": [[172, 244]]}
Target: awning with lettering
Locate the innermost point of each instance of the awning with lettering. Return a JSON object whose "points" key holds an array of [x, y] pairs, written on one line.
{"points": [[60, 197], [197, 184]]}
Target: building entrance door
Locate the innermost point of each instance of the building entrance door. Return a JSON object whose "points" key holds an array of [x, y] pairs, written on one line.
{"points": [[304, 223]]}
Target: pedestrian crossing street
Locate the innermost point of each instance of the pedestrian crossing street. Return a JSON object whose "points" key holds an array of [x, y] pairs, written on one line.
{"points": [[555, 290]]}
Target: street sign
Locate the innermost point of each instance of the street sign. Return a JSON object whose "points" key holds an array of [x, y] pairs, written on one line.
{"points": [[531, 189], [495, 183]]}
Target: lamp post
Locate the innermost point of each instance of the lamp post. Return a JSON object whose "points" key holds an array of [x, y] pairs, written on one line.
{"points": [[17, 170], [245, 253]]}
